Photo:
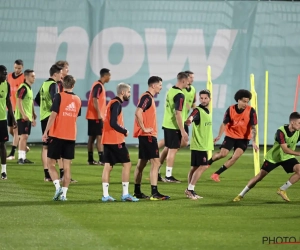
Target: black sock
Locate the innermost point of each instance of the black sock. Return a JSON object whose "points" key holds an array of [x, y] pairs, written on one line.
{"points": [[90, 156], [210, 161], [100, 156], [137, 188], [154, 190], [13, 150], [47, 175], [221, 170], [61, 173]]}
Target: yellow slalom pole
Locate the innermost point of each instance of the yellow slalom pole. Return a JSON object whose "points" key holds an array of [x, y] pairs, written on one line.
{"points": [[210, 106], [254, 105], [266, 112]]}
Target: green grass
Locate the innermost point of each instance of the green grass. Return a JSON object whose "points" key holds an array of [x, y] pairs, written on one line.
{"points": [[31, 220]]}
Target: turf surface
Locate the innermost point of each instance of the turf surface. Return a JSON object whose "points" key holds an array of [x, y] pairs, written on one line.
{"points": [[31, 220]]}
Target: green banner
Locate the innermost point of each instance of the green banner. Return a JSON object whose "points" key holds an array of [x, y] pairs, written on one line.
{"points": [[137, 39]]}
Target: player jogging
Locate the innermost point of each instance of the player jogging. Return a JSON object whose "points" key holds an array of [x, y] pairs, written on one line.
{"points": [[201, 142], [239, 124], [281, 154]]}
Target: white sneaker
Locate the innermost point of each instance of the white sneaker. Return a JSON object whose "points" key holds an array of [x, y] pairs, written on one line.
{"points": [[190, 194], [11, 157], [63, 198], [57, 194]]}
